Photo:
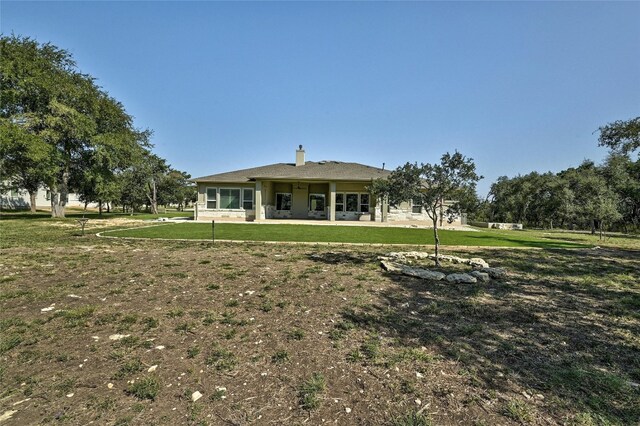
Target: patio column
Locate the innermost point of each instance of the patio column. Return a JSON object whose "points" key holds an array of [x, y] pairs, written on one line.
{"points": [[332, 201], [258, 204]]}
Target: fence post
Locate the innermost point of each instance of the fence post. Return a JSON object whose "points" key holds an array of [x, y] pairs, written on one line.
{"points": [[213, 231]]}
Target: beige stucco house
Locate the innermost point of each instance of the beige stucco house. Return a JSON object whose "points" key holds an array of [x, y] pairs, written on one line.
{"points": [[323, 190]]}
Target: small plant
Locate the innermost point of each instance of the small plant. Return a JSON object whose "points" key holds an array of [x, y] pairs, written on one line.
{"points": [[296, 334], [149, 323], [204, 262], [230, 333], [518, 410], [184, 328], [213, 287], [219, 394], [267, 306], [412, 419], [146, 388], [310, 391], [175, 313], [355, 356], [371, 348], [193, 351], [222, 360], [130, 367], [232, 303], [280, 357]]}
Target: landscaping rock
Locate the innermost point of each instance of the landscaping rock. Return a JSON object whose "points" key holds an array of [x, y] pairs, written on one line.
{"points": [[480, 276], [398, 268], [461, 278], [495, 273], [477, 262]]}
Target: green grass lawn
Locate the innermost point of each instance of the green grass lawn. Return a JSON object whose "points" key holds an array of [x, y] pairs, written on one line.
{"points": [[347, 234], [72, 213]]}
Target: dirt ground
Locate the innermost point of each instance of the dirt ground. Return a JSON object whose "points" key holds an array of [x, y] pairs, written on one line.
{"points": [[124, 332]]}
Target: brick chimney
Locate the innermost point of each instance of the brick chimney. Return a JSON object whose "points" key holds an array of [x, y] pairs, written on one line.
{"points": [[300, 156]]}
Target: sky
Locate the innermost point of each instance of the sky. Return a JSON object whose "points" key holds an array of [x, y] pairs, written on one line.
{"points": [[517, 86]]}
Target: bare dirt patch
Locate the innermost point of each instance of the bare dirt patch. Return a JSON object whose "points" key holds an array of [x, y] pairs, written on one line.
{"points": [[283, 334]]}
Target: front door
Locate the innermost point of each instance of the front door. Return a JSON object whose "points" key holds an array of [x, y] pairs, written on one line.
{"points": [[299, 205]]}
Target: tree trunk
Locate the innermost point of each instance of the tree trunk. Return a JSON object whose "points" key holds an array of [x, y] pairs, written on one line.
{"points": [[108, 207], [57, 208], [435, 236], [32, 200], [100, 207]]}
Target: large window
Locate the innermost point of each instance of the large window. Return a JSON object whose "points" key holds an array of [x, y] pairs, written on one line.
{"points": [[352, 202], [229, 198], [339, 202], [316, 202], [212, 201], [364, 203], [283, 201], [247, 199], [416, 208]]}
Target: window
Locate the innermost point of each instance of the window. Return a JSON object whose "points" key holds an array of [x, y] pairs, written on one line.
{"points": [[416, 208], [339, 202], [229, 198], [352, 202], [316, 202], [247, 199], [283, 201], [212, 201], [47, 195], [364, 203]]}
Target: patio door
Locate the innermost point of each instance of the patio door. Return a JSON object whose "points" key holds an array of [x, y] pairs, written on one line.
{"points": [[299, 203]]}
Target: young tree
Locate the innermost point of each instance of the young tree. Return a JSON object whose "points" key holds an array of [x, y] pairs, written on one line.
{"points": [[431, 185]]}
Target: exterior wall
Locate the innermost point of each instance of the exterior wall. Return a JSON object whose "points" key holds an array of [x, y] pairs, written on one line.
{"points": [[203, 213], [404, 213]]}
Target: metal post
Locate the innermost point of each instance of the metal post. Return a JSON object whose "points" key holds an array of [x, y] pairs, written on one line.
{"points": [[213, 231]]}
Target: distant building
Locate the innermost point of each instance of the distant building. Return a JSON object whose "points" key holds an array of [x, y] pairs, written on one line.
{"points": [[19, 199]]}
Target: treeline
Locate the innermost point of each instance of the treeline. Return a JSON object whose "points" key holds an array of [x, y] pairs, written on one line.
{"points": [[61, 131], [590, 196]]}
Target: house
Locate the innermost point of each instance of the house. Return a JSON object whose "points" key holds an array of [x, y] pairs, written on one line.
{"points": [[18, 199], [323, 190]]}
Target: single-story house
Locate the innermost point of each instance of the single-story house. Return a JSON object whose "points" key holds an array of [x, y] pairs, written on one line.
{"points": [[322, 190], [19, 199]]}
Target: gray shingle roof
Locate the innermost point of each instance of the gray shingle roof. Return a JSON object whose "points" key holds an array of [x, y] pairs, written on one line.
{"points": [[321, 170]]}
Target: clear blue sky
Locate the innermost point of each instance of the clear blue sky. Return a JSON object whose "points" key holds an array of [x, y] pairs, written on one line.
{"points": [[517, 86]]}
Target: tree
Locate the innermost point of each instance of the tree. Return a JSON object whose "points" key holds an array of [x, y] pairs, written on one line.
{"points": [[44, 92], [25, 159], [622, 137], [437, 187]]}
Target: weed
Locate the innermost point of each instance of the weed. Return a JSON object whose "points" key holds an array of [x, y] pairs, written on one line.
{"points": [[280, 357], [175, 313], [149, 323], [296, 334], [146, 388], [518, 411], [213, 287], [232, 303], [128, 368], [8, 342], [310, 391], [193, 351], [355, 356], [412, 419], [185, 327], [266, 306], [222, 360]]}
